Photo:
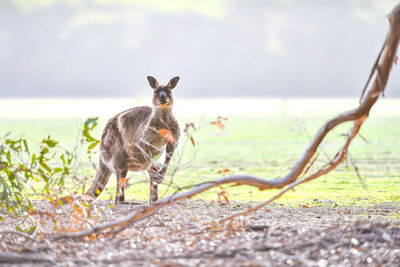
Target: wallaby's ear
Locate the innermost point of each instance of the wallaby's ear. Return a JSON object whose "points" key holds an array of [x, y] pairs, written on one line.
{"points": [[153, 82], [173, 82]]}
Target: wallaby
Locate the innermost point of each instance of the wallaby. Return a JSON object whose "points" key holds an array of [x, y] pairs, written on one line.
{"points": [[131, 139]]}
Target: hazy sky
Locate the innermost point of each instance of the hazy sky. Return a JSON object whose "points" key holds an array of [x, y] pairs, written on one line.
{"points": [[220, 48]]}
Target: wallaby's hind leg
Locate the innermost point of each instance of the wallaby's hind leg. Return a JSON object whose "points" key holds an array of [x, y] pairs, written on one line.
{"points": [[120, 194], [120, 170]]}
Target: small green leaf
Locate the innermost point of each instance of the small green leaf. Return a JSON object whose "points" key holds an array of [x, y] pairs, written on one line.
{"points": [[33, 160], [8, 156], [93, 144], [26, 146], [57, 169]]}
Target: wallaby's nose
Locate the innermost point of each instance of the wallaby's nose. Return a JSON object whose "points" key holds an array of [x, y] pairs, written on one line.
{"points": [[162, 98]]}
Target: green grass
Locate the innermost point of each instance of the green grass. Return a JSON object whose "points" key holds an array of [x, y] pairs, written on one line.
{"points": [[263, 146]]}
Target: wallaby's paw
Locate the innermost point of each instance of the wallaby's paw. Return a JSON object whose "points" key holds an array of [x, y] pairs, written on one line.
{"points": [[153, 197], [156, 177], [119, 199]]}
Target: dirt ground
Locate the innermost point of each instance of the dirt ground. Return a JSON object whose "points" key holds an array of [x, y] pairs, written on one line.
{"points": [[185, 234]]}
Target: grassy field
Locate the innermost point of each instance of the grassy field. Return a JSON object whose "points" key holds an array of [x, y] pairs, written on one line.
{"points": [[252, 143]]}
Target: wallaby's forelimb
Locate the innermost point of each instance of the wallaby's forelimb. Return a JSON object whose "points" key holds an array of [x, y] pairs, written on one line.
{"points": [[169, 153], [153, 192], [157, 177]]}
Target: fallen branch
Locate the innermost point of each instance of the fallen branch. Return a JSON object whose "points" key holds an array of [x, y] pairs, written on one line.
{"points": [[19, 259], [14, 259], [381, 69], [11, 232]]}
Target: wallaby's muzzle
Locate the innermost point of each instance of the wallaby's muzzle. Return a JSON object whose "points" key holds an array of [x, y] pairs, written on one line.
{"points": [[162, 98]]}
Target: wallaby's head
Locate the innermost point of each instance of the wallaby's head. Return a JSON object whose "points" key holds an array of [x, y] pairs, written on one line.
{"points": [[163, 96]]}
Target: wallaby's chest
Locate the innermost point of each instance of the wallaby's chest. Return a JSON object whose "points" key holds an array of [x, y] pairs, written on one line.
{"points": [[150, 142], [153, 132]]}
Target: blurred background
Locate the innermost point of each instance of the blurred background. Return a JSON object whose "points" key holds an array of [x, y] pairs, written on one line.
{"points": [[220, 48]]}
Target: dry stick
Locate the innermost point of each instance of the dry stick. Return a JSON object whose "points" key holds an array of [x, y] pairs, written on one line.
{"points": [[8, 258], [14, 259], [384, 63]]}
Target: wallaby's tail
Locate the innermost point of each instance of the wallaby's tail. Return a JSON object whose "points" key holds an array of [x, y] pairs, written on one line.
{"points": [[97, 186], [99, 182]]}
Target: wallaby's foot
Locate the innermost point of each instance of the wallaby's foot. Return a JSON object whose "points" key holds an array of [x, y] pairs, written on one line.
{"points": [[153, 197], [120, 199], [153, 192], [151, 201]]}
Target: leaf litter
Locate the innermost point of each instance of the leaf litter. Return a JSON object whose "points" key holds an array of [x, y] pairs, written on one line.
{"points": [[188, 234]]}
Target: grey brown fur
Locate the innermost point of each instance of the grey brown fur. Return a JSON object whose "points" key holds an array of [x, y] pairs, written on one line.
{"points": [[132, 138]]}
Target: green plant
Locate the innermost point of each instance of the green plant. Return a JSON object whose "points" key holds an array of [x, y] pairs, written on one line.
{"points": [[25, 173]]}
